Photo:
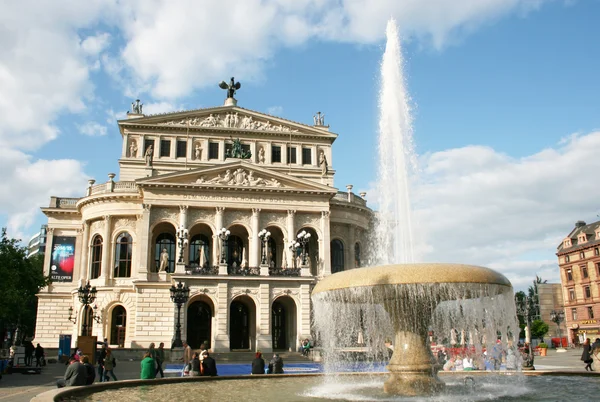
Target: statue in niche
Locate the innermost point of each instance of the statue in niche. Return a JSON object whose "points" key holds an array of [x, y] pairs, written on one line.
{"points": [[231, 87], [261, 155], [164, 261], [133, 149], [148, 155], [197, 152], [323, 163]]}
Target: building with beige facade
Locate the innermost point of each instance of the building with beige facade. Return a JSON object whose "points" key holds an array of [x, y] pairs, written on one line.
{"points": [[184, 183], [579, 262]]}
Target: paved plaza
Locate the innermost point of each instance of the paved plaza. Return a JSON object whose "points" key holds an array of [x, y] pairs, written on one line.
{"points": [[21, 388]]}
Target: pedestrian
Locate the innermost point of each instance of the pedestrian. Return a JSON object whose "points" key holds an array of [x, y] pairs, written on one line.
{"points": [[39, 355], [305, 347], [187, 357], [586, 356], [258, 364], [109, 365], [91, 372], [195, 366], [101, 357], [160, 358], [148, 367], [209, 366], [75, 375], [276, 365], [29, 348]]}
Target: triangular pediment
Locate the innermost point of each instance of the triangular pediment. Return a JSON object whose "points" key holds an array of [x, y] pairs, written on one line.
{"points": [[228, 118], [237, 175]]}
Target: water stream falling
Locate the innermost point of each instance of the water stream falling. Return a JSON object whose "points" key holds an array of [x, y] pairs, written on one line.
{"points": [[393, 232]]}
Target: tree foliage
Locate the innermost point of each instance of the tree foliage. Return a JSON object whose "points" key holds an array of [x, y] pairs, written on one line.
{"points": [[538, 329], [21, 278]]}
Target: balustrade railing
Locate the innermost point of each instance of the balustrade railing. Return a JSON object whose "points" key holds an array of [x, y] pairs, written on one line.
{"points": [[343, 197], [284, 271], [239, 271], [196, 270]]}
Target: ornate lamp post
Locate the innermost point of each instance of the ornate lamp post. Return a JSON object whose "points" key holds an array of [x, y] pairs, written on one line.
{"points": [[182, 241], [294, 246], [223, 235], [558, 316], [264, 236], [86, 295], [303, 238], [179, 295]]}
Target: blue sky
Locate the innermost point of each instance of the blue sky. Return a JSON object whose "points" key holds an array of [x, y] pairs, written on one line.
{"points": [[499, 88]]}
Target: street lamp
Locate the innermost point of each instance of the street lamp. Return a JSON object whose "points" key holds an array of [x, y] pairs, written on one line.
{"points": [[558, 316], [182, 241], [87, 295], [303, 238], [179, 295], [294, 246], [223, 235], [264, 235]]}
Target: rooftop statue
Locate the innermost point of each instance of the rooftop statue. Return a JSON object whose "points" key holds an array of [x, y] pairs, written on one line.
{"points": [[231, 87]]}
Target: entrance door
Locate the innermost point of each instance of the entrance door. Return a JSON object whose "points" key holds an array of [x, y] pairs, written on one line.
{"points": [[199, 324], [239, 326], [279, 328]]}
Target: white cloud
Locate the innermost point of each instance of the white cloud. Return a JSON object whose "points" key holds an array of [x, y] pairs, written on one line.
{"points": [[160, 107], [275, 110], [95, 44], [112, 116], [92, 129], [476, 205], [28, 184]]}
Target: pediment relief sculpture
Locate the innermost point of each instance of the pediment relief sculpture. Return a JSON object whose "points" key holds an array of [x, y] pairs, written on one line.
{"points": [[230, 120], [239, 177]]}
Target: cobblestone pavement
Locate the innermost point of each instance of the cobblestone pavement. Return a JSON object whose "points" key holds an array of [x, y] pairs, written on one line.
{"points": [[21, 388]]}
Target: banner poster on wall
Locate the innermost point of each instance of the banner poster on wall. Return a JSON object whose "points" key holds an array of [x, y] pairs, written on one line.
{"points": [[62, 260]]}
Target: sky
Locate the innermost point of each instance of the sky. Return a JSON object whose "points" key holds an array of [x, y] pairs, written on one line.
{"points": [[503, 96]]}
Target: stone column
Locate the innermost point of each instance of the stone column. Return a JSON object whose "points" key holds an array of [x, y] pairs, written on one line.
{"points": [[85, 252], [107, 249], [217, 241], [325, 244], [303, 321], [144, 236], [221, 150], [222, 313], [254, 241], [180, 267], [291, 235], [264, 340]]}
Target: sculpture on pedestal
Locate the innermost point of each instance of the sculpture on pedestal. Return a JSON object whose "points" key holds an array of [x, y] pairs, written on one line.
{"points": [[148, 155], [323, 163], [197, 152], [133, 149], [136, 107], [164, 260], [231, 87]]}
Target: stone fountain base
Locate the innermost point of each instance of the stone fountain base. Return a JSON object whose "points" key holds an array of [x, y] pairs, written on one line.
{"points": [[413, 383]]}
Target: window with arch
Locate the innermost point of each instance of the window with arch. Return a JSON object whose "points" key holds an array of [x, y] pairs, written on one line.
{"points": [[118, 323], [123, 252], [165, 241], [200, 251], [96, 257], [337, 256], [357, 255]]}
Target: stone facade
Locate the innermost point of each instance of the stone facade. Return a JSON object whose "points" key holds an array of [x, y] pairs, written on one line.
{"points": [[160, 223]]}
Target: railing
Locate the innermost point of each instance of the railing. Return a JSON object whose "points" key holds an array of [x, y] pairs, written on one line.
{"points": [[239, 271], [284, 271], [125, 186], [117, 187], [67, 203], [343, 197], [196, 270]]}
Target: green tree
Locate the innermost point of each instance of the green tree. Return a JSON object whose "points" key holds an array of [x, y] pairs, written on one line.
{"points": [[538, 329], [533, 294], [20, 280]]}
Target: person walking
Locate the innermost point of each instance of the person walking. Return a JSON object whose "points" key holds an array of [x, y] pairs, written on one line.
{"points": [[586, 356], [160, 358], [209, 366], [29, 348], [148, 367], [276, 365], [101, 357], [187, 357], [39, 355], [258, 364], [109, 365]]}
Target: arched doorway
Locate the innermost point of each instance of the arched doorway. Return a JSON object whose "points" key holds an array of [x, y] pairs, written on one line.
{"points": [[337, 256], [118, 324], [199, 324], [283, 323], [242, 323]]}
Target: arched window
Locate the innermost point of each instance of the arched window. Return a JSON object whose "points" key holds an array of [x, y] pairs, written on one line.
{"points": [[118, 323], [87, 322], [96, 257], [337, 256], [165, 241], [235, 251], [200, 251], [272, 253], [123, 251], [357, 255]]}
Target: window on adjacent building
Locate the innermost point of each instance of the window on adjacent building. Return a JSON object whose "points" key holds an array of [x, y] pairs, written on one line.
{"points": [[213, 150], [574, 314], [306, 156], [598, 268], [165, 148], [590, 310], [123, 252], [567, 258], [571, 294], [291, 155], [582, 255], [96, 261], [569, 274], [596, 251], [275, 154], [181, 149], [584, 272], [587, 291]]}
